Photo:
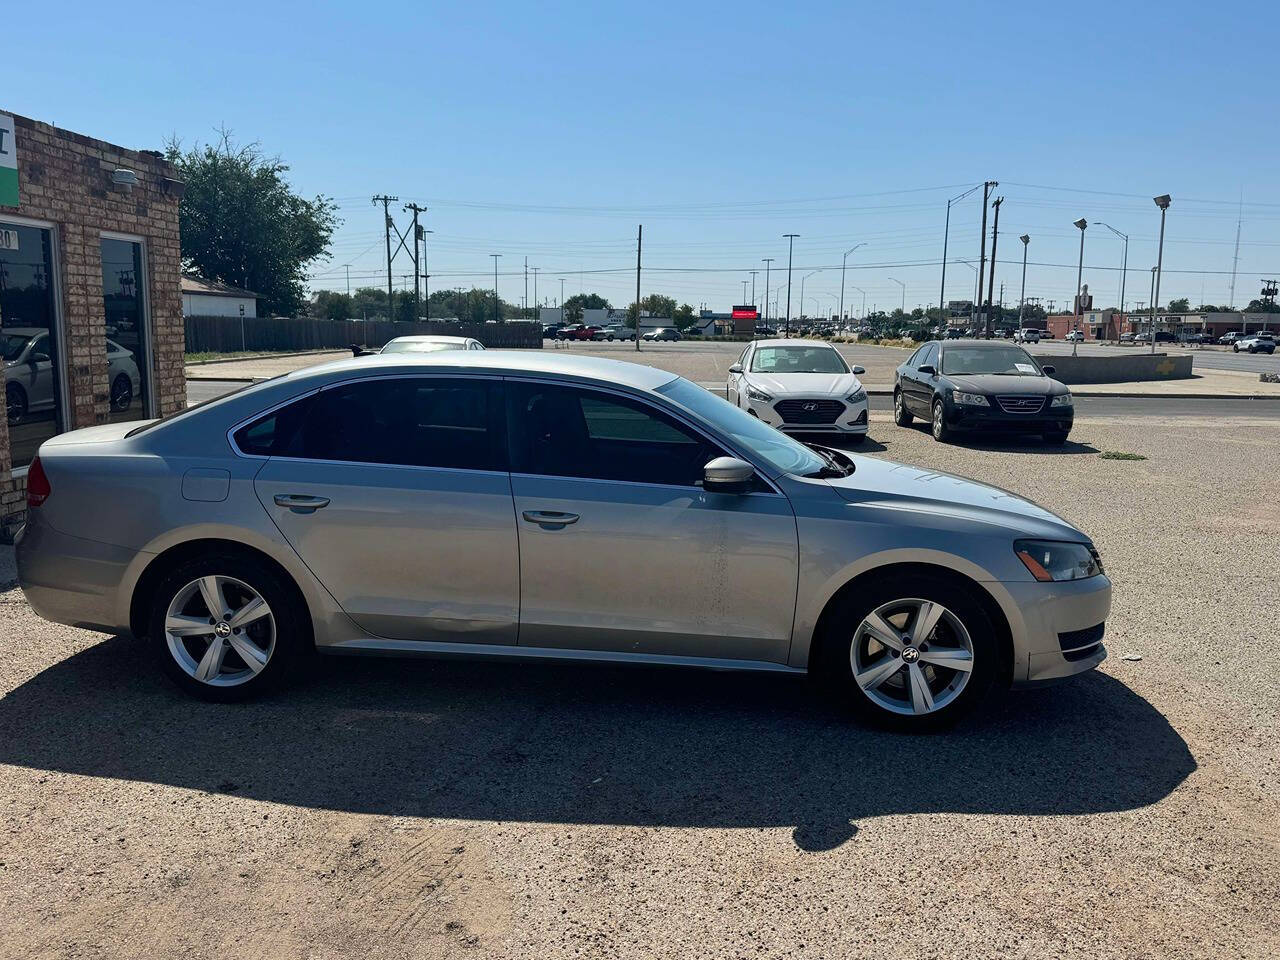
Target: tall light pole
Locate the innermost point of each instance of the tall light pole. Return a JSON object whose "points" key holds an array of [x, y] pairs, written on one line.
{"points": [[768, 261], [1082, 223], [1153, 308], [1124, 265], [537, 312], [1162, 202], [842, 266], [864, 302], [802, 280], [744, 292], [791, 242], [1022, 299], [497, 304], [904, 294], [753, 286], [946, 230]]}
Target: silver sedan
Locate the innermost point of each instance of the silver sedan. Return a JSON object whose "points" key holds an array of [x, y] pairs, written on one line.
{"points": [[536, 505]]}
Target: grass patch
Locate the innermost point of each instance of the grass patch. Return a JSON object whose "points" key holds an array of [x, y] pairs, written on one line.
{"points": [[1120, 455]]}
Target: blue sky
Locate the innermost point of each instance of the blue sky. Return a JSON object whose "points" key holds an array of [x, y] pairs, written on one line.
{"points": [[549, 131]]}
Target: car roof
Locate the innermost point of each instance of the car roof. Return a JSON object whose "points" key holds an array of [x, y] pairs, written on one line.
{"points": [[428, 338], [497, 362], [793, 342], [972, 342]]}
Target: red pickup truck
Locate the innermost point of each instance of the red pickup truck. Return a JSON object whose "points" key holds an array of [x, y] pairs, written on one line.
{"points": [[577, 331]]}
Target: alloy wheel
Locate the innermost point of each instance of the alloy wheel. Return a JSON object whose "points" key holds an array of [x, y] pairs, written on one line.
{"points": [[121, 393], [220, 631], [911, 656], [939, 428]]}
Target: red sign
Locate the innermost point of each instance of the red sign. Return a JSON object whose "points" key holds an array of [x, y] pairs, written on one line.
{"points": [[748, 312]]}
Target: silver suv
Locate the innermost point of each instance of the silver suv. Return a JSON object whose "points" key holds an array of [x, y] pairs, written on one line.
{"points": [[538, 505]]}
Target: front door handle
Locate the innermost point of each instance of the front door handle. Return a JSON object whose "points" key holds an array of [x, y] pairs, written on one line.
{"points": [[550, 519], [299, 503]]}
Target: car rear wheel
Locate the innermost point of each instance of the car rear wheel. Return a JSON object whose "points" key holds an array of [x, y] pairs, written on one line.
{"points": [[941, 432], [15, 403], [121, 393], [910, 652], [901, 415], [225, 627]]}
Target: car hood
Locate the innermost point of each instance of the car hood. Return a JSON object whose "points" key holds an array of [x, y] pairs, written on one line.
{"points": [[805, 384], [1005, 383], [883, 483]]}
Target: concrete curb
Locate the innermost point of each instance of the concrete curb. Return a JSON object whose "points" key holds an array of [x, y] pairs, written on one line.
{"points": [[266, 356]]}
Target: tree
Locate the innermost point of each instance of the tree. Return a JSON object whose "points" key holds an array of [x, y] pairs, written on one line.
{"points": [[1181, 305], [330, 305], [242, 224], [579, 302], [655, 304], [1262, 306], [684, 316]]}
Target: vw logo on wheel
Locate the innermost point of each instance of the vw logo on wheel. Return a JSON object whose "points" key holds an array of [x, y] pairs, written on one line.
{"points": [[910, 655], [809, 407]]}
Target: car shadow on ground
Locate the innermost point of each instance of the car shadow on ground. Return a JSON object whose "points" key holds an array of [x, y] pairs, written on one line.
{"points": [[588, 744], [996, 442]]}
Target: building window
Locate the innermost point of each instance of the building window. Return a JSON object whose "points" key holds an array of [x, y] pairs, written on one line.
{"points": [[29, 336], [124, 305]]}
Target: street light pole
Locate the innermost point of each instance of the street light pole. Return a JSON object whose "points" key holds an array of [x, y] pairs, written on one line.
{"points": [[1153, 307], [768, 261], [497, 304], [864, 303], [1162, 202], [843, 259], [904, 294], [1082, 223], [946, 231], [791, 241], [1022, 299], [802, 280]]}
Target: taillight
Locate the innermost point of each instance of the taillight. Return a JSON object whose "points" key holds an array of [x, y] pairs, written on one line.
{"points": [[38, 488]]}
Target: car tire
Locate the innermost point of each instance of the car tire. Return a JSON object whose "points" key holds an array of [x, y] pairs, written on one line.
{"points": [[941, 432], [1235, 348], [278, 637], [848, 656], [121, 393], [1057, 437], [901, 415], [15, 402]]}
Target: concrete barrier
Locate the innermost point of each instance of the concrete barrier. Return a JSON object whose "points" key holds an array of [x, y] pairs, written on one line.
{"points": [[1125, 369]]}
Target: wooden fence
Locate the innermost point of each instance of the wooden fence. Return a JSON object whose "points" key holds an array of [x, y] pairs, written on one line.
{"points": [[229, 334]]}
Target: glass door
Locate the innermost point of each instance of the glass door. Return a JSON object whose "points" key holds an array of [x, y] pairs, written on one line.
{"points": [[125, 307]]}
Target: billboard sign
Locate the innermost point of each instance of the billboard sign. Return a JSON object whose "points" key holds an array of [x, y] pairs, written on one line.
{"points": [[8, 163]]}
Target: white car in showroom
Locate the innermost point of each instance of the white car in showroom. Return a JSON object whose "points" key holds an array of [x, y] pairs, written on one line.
{"points": [[800, 386]]}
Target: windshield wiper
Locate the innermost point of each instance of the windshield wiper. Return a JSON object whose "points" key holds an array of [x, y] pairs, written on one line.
{"points": [[838, 465]]}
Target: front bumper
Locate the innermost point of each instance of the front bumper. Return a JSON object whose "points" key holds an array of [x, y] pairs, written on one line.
{"points": [[1048, 419], [69, 579], [1062, 625], [853, 420]]}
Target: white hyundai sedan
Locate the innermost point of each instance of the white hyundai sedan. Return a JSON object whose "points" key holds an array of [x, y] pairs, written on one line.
{"points": [[800, 386]]}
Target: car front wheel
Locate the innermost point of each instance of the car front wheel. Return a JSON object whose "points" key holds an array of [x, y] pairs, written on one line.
{"points": [[941, 432], [911, 652], [225, 627]]}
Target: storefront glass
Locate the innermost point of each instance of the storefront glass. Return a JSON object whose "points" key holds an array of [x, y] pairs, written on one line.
{"points": [[124, 305]]}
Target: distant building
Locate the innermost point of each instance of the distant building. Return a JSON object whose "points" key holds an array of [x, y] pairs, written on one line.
{"points": [[207, 298]]}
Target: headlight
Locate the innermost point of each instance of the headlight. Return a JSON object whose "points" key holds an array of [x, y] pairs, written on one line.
{"points": [[858, 396], [1063, 400], [970, 399], [1051, 561], [755, 394]]}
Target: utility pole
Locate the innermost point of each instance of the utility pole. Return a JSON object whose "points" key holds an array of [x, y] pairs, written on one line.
{"points": [[903, 308], [753, 286], [991, 282], [744, 291], [639, 247], [982, 252], [1022, 300], [347, 267], [417, 235], [426, 277], [768, 261], [386, 229], [537, 313], [1235, 260], [526, 284], [791, 243], [497, 304]]}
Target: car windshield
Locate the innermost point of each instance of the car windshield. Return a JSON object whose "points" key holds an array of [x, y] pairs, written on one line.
{"points": [[420, 346], [1010, 360], [13, 345], [774, 447], [798, 360]]}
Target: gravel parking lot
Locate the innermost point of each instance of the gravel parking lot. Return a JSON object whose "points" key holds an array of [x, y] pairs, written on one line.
{"points": [[429, 809]]}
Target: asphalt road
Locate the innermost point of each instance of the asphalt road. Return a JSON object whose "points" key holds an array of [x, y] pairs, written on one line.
{"points": [[202, 390], [420, 809]]}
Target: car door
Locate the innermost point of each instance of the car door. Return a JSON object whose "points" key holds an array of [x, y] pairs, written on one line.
{"points": [[394, 491], [620, 547], [919, 391]]}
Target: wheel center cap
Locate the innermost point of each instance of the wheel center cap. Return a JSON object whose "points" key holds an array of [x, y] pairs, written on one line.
{"points": [[222, 629], [910, 654]]}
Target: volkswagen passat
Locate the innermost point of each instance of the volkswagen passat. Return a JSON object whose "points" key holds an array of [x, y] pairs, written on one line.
{"points": [[530, 505], [800, 386]]}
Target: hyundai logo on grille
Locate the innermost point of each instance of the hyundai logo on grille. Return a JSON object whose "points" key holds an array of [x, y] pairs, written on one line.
{"points": [[809, 407], [1021, 404]]}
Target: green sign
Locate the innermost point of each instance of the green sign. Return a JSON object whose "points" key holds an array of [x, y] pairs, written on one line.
{"points": [[8, 163]]}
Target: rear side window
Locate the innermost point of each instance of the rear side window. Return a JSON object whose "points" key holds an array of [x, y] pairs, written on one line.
{"points": [[273, 434], [407, 421]]}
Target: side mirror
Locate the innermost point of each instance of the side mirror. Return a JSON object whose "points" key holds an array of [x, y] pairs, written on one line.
{"points": [[1049, 369], [736, 368], [858, 371], [929, 368], [727, 475]]}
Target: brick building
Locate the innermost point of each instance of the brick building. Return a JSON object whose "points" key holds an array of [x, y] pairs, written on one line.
{"points": [[90, 303]]}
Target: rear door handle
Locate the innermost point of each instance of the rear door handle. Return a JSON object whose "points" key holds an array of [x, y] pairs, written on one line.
{"points": [[552, 519], [300, 503]]}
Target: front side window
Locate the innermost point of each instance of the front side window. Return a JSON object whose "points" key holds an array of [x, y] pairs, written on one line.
{"points": [[797, 360], [570, 432], [32, 368], [124, 306], [403, 421]]}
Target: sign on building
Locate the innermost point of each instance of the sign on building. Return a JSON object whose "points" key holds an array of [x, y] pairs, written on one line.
{"points": [[8, 163]]}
